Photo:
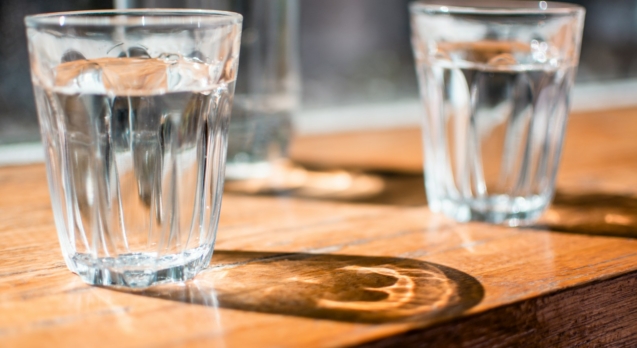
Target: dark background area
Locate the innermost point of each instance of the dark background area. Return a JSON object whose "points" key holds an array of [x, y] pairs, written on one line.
{"points": [[352, 52]]}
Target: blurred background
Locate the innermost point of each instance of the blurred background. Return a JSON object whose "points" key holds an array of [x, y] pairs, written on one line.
{"points": [[356, 65]]}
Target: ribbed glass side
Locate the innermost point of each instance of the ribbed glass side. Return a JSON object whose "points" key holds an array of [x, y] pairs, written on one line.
{"points": [[493, 138], [136, 181]]}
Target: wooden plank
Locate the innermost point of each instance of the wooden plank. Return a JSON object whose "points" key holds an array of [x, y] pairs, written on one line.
{"points": [[319, 266], [601, 314]]}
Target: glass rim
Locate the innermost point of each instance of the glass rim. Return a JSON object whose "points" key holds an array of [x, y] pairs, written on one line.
{"points": [[493, 7], [152, 18]]}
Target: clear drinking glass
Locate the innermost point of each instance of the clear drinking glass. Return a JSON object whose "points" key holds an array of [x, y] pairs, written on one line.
{"points": [[134, 109], [495, 78], [268, 88]]}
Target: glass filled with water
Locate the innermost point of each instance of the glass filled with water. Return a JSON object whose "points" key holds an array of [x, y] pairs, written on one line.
{"points": [[267, 90], [134, 109], [494, 78], [268, 87]]}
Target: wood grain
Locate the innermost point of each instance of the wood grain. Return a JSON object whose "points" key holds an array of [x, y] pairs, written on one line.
{"points": [[575, 317], [323, 265]]}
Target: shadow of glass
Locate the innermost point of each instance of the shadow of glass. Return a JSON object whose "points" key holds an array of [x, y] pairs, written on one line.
{"points": [[400, 190], [334, 287], [336, 185], [595, 213]]}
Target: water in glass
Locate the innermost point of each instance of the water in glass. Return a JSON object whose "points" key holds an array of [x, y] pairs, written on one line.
{"points": [[495, 117], [135, 145]]}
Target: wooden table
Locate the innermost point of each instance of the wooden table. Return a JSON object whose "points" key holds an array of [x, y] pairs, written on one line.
{"points": [[339, 258]]}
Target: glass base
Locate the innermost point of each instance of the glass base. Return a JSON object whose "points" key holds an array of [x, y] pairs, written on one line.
{"points": [[259, 135], [500, 209], [140, 270]]}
